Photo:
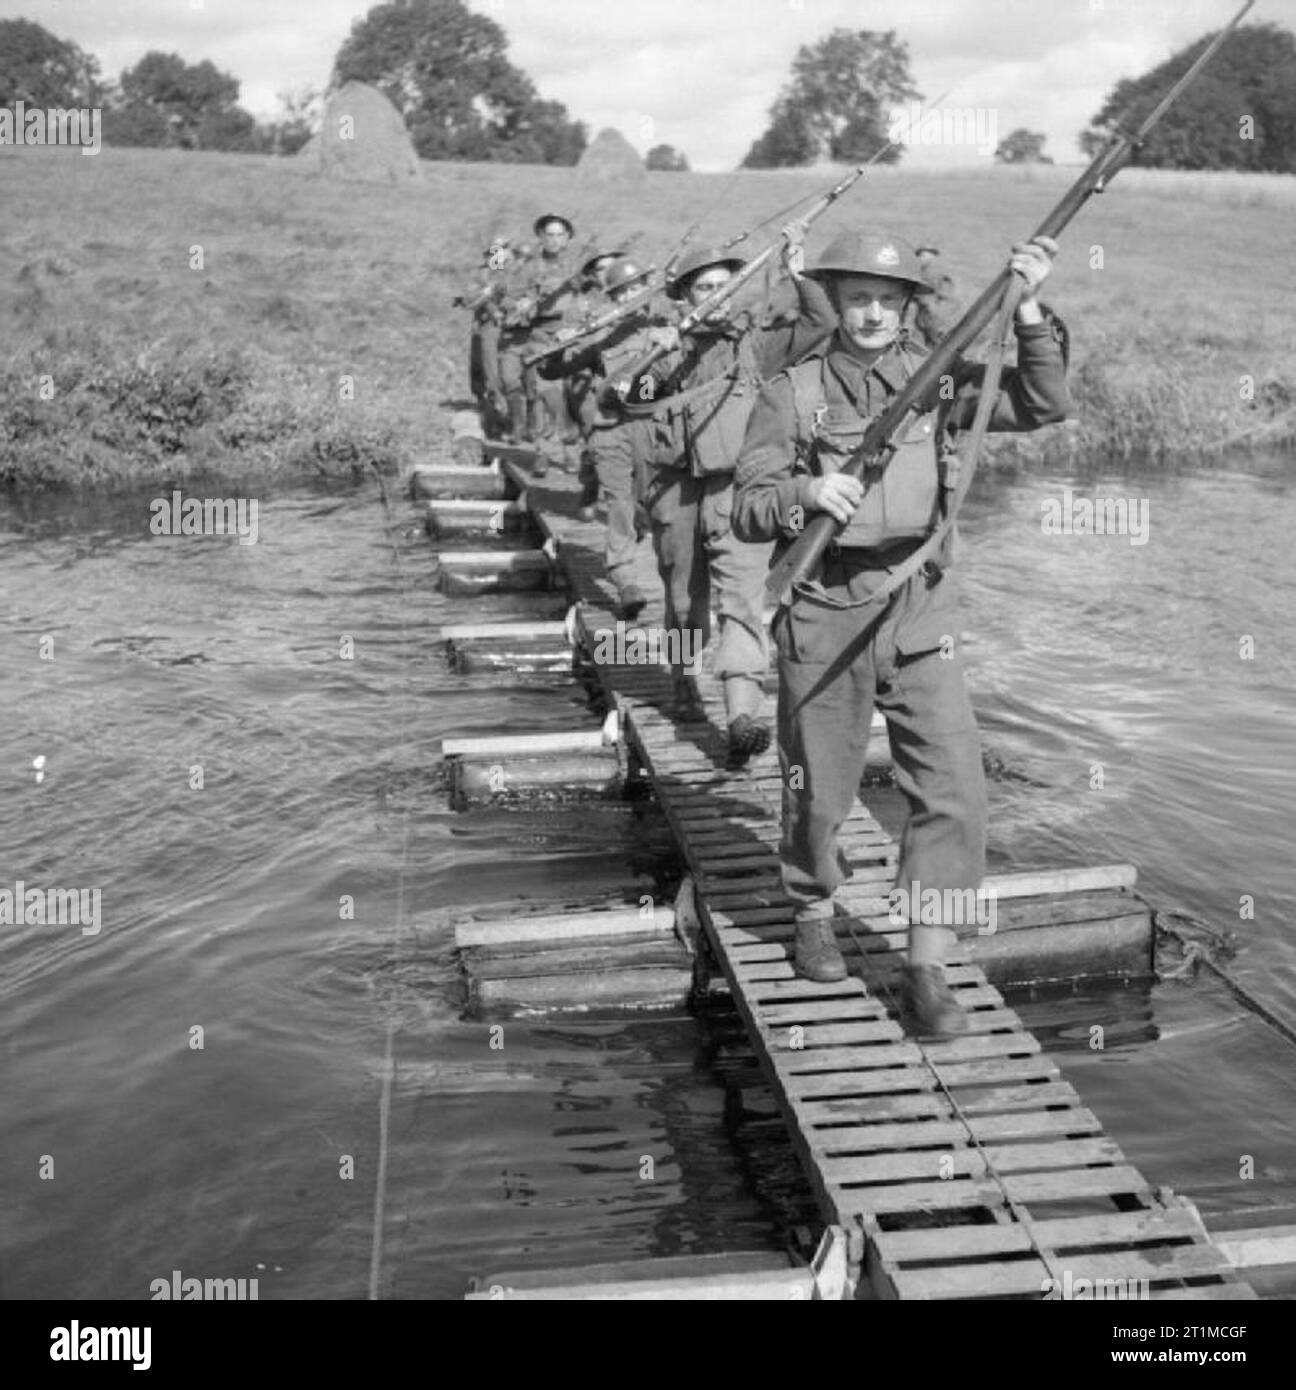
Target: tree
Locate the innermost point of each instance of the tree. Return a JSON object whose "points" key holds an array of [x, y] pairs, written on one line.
{"points": [[40, 70], [1022, 147], [666, 158], [163, 100], [1239, 114], [301, 111], [446, 70], [839, 101]]}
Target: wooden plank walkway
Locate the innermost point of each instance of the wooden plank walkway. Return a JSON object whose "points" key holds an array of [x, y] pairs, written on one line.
{"points": [[959, 1169]]}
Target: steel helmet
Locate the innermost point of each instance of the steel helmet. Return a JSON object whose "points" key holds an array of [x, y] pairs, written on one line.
{"points": [[587, 270], [871, 253], [621, 274], [695, 261], [541, 223]]}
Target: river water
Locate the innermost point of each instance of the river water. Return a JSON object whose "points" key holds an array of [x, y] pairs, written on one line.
{"points": [[251, 1148]]}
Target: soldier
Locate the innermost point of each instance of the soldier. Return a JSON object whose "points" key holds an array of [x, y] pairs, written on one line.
{"points": [[845, 642], [537, 410], [485, 300], [932, 313], [583, 386], [615, 439], [698, 400]]}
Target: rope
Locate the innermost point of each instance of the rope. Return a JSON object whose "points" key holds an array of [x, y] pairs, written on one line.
{"points": [[389, 1052], [1195, 953]]}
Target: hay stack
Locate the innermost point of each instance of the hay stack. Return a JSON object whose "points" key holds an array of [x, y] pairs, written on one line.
{"points": [[364, 139], [611, 159]]}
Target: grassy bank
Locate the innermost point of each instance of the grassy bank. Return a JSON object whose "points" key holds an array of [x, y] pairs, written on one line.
{"points": [[123, 362]]}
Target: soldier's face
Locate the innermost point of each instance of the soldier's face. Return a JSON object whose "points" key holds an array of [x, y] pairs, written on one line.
{"points": [[870, 309], [705, 283], [553, 237]]}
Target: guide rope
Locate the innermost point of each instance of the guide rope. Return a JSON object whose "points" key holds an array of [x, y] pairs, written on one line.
{"points": [[389, 1050]]}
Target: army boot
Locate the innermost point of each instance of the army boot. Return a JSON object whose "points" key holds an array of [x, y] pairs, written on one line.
{"points": [[931, 1003], [631, 601], [817, 955]]}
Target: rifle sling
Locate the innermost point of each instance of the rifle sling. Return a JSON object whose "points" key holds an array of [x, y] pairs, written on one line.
{"points": [[911, 565]]}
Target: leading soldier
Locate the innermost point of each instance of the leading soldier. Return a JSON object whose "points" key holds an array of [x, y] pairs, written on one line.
{"points": [[845, 642]]}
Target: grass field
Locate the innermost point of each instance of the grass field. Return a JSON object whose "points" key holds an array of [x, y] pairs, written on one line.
{"points": [[125, 363]]}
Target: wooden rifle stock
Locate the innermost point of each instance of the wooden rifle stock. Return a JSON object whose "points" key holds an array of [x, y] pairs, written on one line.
{"points": [[801, 559]]}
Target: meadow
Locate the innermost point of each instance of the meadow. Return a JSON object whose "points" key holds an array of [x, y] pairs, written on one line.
{"points": [[174, 316]]}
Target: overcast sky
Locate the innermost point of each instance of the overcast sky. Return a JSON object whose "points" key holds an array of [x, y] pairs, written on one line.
{"points": [[698, 74]]}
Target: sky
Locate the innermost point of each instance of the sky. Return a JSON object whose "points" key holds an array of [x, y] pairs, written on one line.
{"points": [[701, 74]]}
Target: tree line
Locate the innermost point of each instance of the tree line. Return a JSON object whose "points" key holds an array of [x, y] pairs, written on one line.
{"points": [[447, 71]]}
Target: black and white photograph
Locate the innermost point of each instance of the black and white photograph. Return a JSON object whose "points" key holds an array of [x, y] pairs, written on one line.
{"points": [[648, 654]]}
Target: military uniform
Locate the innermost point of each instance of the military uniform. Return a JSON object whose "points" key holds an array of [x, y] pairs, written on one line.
{"points": [[696, 409], [616, 442], [541, 300], [839, 653]]}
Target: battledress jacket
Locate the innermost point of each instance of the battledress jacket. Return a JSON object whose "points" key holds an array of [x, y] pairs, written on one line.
{"points": [[693, 428], [774, 473]]}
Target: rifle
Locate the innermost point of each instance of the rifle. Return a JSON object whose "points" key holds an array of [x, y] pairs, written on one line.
{"points": [[875, 451], [573, 281], [721, 296], [601, 324]]}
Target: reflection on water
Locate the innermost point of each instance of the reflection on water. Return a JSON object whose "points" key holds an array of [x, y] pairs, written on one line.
{"points": [[227, 780]]}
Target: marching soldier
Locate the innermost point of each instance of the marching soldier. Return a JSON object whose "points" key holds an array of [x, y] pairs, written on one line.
{"points": [[534, 316], [583, 386], [698, 400], [614, 439], [932, 312], [485, 300], [846, 641]]}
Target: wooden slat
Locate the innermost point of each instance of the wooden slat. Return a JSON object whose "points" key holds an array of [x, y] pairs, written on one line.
{"points": [[928, 1133], [969, 1162], [1055, 1233], [1062, 1186]]}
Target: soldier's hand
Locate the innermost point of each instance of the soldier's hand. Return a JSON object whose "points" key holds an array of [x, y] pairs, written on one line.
{"points": [[838, 494], [665, 337], [1032, 261], [794, 247]]}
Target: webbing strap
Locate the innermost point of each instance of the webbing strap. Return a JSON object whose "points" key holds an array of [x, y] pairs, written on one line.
{"points": [[910, 566]]}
